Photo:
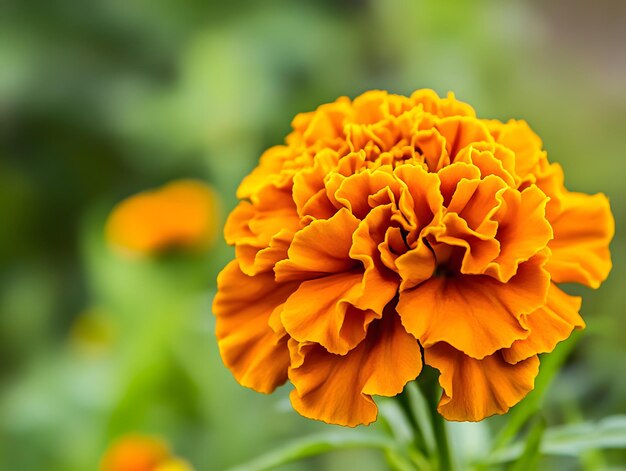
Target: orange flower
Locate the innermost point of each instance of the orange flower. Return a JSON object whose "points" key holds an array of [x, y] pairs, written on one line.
{"points": [[180, 214], [390, 232], [141, 453]]}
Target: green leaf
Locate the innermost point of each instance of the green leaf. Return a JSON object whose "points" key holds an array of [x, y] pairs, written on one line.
{"points": [[393, 417], [397, 462], [317, 445], [532, 450], [470, 442], [419, 407], [399, 416], [573, 440]]}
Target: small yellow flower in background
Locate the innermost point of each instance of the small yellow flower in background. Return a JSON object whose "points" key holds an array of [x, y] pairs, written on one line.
{"points": [[181, 214], [174, 465], [141, 453], [391, 232]]}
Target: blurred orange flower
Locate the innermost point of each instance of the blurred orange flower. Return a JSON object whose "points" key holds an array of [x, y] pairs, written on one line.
{"points": [[141, 453], [181, 214], [390, 232]]}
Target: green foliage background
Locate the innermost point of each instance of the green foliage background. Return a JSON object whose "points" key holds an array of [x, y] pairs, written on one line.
{"points": [[99, 100]]}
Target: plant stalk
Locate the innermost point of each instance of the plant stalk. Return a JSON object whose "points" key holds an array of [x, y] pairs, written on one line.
{"points": [[429, 384]]}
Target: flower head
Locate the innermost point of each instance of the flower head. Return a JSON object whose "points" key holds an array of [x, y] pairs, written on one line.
{"points": [[141, 453], [393, 231], [181, 214]]}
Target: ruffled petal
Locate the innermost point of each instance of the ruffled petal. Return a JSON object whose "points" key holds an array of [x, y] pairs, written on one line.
{"points": [[275, 210], [421, 201], [476, 201], [268, 172], [520, 138], [442, 107], [432, 146], [320, 248], [337, 389], [353, 297], [451, 175], [460, 132], [377, 105], [392, 245], [474, 389], [476, 250], [548, 326], [265, 259], [582, 233], [309, 193], [522, 230], [550, 180], [475, 314], [236, 227], [254, 227], [372, 138], [491, 159], [415, 266], [379, 283], [469, 223], [256, 355], [366, 190], [332, 320], [326, 121]]}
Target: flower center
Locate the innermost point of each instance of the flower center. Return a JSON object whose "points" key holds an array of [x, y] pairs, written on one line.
{"points": [[446, 260], [444, 271]]}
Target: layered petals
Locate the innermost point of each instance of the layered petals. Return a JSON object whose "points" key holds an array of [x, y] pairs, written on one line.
{"points": [[391, 228], [475, 314], [474, 389], [332, 320], [338, 389], [580, 248], [256, 355], [254, 227], [320, 248], [523, 230], [339, 266], [272, 169], [379, 283], [548, 325]]}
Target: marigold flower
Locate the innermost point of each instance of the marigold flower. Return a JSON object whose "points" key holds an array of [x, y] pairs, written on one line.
{"points": [[141, 453], [180, 214], [393, 231]]}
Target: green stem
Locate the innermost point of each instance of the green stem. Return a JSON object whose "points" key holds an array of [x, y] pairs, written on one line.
{"points": [[432, 391], [443, 445], [404, 401]]}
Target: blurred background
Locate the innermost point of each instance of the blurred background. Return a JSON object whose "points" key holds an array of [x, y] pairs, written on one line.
{"points": [[103, 100]]}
